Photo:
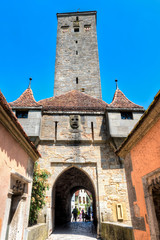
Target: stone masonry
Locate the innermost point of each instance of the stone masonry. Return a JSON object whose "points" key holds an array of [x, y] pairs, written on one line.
{"points": [[78, 133], [77, 63], [95, 157]]}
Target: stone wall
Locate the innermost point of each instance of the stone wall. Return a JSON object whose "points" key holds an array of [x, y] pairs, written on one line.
{"points": [[94, 157], [66, 133], [116, 232], [121, 127], [36, 232], [77, 55], [32, 124]]}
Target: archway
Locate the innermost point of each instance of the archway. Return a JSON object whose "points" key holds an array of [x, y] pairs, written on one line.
{"points": [[66, 185]]}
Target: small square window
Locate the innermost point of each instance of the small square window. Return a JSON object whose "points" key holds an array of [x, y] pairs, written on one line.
{"points": [[76, 29], [22, 114], [126, 115], [82, 90], [87, 27]]}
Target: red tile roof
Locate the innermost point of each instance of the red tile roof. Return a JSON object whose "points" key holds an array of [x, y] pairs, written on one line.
{"points": [[73, 100], [25, 100], [8, 110], [121, 101]]}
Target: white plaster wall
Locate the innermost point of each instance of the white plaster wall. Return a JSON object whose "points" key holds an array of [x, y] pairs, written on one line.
{"points": [[121, 127]]}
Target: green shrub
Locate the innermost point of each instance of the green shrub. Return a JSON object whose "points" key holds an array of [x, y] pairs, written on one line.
{"points": [[39, 188]]}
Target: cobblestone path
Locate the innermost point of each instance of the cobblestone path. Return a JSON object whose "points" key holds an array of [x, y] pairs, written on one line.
{"points": [[75, 231]]}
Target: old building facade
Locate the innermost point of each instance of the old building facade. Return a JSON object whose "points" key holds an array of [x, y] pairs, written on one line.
{"points": [[76, 132], [17, 157], [141, 152]]}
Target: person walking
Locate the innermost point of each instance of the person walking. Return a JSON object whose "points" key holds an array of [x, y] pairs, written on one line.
{"points": [[75, 213], [83, 215]]}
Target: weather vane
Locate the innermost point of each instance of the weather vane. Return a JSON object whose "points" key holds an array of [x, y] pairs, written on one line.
{"points": [[78, 9], [30, 79], [116, 83]]}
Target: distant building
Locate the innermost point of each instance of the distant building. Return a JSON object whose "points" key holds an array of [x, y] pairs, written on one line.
{"points": [[83, 200], [141, 153], [17, 157]]}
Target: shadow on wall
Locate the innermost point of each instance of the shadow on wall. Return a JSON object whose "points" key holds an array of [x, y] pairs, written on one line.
{"points": [[111, 231], [11, 150]]}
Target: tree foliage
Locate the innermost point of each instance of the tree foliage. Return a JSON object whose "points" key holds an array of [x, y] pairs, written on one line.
{"points": [[39, 188]]}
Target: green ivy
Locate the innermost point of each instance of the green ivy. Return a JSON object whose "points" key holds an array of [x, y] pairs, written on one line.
{"points": [[39, 188]]}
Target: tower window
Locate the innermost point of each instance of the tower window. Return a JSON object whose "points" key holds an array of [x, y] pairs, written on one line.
{"points": [[22, 114], [77, 19], [76, 29], [76, 80], [126, 115], [76, 52], [65, 28], [87, 27], [82, 90], [76, 41]]}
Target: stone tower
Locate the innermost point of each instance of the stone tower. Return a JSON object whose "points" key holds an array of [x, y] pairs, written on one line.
{"points": [[77, 62], [77, 133]]}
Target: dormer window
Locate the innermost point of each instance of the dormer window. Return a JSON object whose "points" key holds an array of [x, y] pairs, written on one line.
{"points": [[127, 115], [22, 114]]}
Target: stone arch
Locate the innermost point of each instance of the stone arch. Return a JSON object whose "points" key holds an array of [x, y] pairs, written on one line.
{"points": [[69, 181]]}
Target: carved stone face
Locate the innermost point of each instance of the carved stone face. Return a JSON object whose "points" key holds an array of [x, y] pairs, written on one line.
{"points": [[74, 121]]}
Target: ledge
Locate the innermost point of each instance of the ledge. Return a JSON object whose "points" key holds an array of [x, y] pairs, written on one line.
{"points": [[37, 232], [110, 231], [76, 13]]}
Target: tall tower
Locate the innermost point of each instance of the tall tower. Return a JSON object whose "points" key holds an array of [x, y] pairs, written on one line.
{"points": [[77, 62]]}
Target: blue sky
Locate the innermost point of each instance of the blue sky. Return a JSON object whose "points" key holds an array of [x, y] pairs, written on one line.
{"points": [[128, 42]]}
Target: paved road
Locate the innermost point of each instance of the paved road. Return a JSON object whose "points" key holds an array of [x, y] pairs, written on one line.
{"points": [[75, 231]]}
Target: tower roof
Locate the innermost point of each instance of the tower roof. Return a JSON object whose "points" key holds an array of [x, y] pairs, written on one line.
{"points": [[25, 100], [121, 101], [14, 121], [73, 100]]}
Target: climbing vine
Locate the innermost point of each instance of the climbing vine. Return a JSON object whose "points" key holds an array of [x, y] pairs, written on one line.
{"points": [[39, 188]]}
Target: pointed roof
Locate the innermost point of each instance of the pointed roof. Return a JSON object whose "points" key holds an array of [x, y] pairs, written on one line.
{"points": [[121, 101], [25, 100], [4, 106], [75, 101]]}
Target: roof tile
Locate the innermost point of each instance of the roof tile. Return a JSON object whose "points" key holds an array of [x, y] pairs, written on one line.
{"points": [[73, 100], [121, 101], [25, 100], [5, 105]]}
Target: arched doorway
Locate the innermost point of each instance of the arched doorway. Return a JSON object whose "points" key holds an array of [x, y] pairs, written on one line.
{"points": [[66, 185]]}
